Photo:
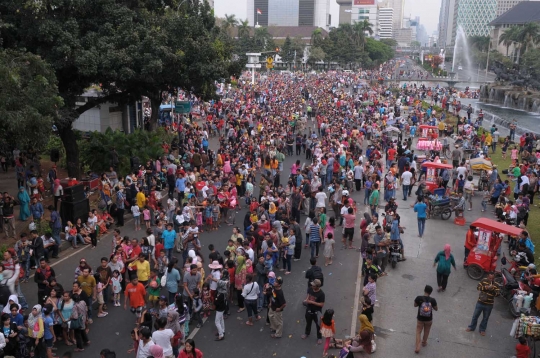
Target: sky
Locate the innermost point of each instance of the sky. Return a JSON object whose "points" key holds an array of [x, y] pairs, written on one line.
{"points": [[428, 10]]}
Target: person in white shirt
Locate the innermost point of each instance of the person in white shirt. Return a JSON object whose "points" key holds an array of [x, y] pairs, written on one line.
{"points": [[172, 203], [251, 295], [358, 175], [163, 336], [406, 177], [321, 198], [461, 170], [249, 251], [143, 336], [136, 216]]}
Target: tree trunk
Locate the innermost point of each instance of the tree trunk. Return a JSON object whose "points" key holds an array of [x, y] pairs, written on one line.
{"points": [[67, 135], [155, 102]]}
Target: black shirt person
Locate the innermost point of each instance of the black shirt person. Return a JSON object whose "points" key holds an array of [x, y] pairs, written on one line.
{"points": [[314, 303], [424, 318]]}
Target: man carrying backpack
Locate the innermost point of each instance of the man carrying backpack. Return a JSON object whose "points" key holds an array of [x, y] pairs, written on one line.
{"points": [[426, 304]]}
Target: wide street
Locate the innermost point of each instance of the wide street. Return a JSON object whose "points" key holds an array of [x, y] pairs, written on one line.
{"points": [[395, 316]]}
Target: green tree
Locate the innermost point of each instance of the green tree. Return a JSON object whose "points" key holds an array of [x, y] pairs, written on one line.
{"points": [[229, 23], [286, 52], [317, 37], [528, 36], [415, 44], [129, 48], [481, 43], [509, 37], [243, 29], [29, 99], [263, 40], [389, 42], [316, 54]]}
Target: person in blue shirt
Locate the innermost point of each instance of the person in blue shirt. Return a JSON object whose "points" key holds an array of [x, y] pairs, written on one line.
{"points": [[525, 239], [497, 189], [48, 329], [180, 187], [169, 238], [420, 208], [15, 316]]}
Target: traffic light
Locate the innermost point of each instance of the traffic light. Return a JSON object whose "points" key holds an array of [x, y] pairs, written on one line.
{"points": [[269, 63]]}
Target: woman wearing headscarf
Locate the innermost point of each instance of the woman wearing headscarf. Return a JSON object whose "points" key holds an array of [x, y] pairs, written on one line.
{"points": [[58, 191], [24, 202], [36, 330], [156, 351], [240, 281], [13, 299], [362, 342], [174, 325], [79, 310], [444, 261]]}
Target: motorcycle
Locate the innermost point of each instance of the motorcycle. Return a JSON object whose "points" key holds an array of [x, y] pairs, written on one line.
{"points": [[517, 293], [394, 250]]}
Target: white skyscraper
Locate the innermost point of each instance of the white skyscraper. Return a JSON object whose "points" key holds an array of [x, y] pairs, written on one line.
{"points": [[386, 22], [399, 8]]}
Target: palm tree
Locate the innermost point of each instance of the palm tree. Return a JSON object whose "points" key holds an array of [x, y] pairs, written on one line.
{"points": [[243, 28], [480, 42], [360, 30], [509, 37], [229, 23], [529, 35], [316, 37], [262, 37]]}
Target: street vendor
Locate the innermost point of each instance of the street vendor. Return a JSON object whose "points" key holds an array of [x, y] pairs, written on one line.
{"points": [[460, 206]]}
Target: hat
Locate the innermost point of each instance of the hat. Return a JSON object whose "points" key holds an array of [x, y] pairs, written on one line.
{"points": [[285, 240], [345, 192], [271, 274], [215, 265], [279, 280], [316, 283]]}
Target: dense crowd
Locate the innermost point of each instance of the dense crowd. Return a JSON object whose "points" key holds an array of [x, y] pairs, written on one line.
{"points": [[338, 127]]}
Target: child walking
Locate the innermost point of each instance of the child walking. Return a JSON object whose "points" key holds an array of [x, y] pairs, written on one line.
{"points": [[328, 243], [206, 299], [116, 282], [146, 217], [485, 198], [136, 217], [328, 329]]}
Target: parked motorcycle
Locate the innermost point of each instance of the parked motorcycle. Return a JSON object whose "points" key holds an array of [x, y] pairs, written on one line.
{"points": [[516, 292], [394, 250]]}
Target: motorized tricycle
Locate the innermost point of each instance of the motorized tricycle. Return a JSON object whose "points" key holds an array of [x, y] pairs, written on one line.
{"points": [[483, 257]]}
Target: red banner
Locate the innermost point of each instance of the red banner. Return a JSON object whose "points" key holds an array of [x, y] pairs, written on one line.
{"points": [[364, 2]]}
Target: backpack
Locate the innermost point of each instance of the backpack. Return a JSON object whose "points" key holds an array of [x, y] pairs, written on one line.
{"points": [[425, 309]]}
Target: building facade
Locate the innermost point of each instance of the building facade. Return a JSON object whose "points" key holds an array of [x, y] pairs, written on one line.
{"points": [[473, 16], [289, 13], [385, 25]]}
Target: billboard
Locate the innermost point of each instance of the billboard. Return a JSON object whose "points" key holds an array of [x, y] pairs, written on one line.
{"points": [[364, 2]]}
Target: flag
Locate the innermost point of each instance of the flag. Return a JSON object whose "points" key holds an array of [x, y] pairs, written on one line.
{"points": [[259, 12]]}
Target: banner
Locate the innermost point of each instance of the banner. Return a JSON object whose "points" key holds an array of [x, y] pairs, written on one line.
{"points": [[483, 240], [364, 2]]}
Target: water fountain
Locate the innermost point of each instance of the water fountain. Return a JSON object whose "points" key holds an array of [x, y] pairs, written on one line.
{"points": [[461, 48]]}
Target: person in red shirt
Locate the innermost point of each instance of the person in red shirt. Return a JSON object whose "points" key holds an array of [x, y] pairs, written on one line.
{"points": [[136, 295], [390, 156], [522, 349]]}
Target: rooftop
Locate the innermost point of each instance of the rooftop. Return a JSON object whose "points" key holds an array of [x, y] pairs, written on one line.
{"points": [[522, 13]]}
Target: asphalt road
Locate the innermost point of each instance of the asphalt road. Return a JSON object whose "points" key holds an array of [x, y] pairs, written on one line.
{"points": [[395, 316]]}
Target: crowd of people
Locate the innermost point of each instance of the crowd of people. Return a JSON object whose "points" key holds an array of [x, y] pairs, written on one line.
{"points": [[334, 125]]}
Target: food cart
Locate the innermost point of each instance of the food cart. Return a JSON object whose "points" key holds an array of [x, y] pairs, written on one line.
{"points": [[483, 168], [483, 257], [432, 176]]}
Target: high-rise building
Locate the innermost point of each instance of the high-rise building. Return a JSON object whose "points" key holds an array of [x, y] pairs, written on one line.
{"points": [[505, 5], [385, 23], [345, 9], [366, 10], [473, 16], [290, 13], [398, 7]]}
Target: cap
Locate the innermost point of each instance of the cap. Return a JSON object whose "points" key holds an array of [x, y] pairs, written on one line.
{"points": [[316, 283], [279, 280], [163, 298], [272, 274]]}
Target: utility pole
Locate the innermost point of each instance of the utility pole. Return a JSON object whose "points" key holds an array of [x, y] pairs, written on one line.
{"points": [[487, 62]]}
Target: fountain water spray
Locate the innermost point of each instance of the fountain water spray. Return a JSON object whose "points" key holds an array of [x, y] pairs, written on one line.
{"points": [[461, 48]]}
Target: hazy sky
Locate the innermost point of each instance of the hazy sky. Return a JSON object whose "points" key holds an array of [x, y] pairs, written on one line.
{"points": [[428, 10]]}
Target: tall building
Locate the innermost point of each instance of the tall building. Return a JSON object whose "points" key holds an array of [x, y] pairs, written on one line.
{"points": [[505, 5], [345, 9], [399, 8], [289, 13], [366, 10], [474, 16], [385, 23]]}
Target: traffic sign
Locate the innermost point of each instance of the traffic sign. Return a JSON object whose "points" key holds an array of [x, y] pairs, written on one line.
{"points": [[182, 107], [253, 65]]}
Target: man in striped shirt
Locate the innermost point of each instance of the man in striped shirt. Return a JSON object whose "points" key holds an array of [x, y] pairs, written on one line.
{"points": [[489, 289]]}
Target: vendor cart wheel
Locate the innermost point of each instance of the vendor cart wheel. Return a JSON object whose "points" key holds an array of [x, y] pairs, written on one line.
{"points": [[512, 308], [475, 272], [446, 214]]}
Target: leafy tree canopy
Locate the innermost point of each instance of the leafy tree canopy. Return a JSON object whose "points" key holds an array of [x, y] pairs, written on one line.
{"points": [[28, 99]]}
